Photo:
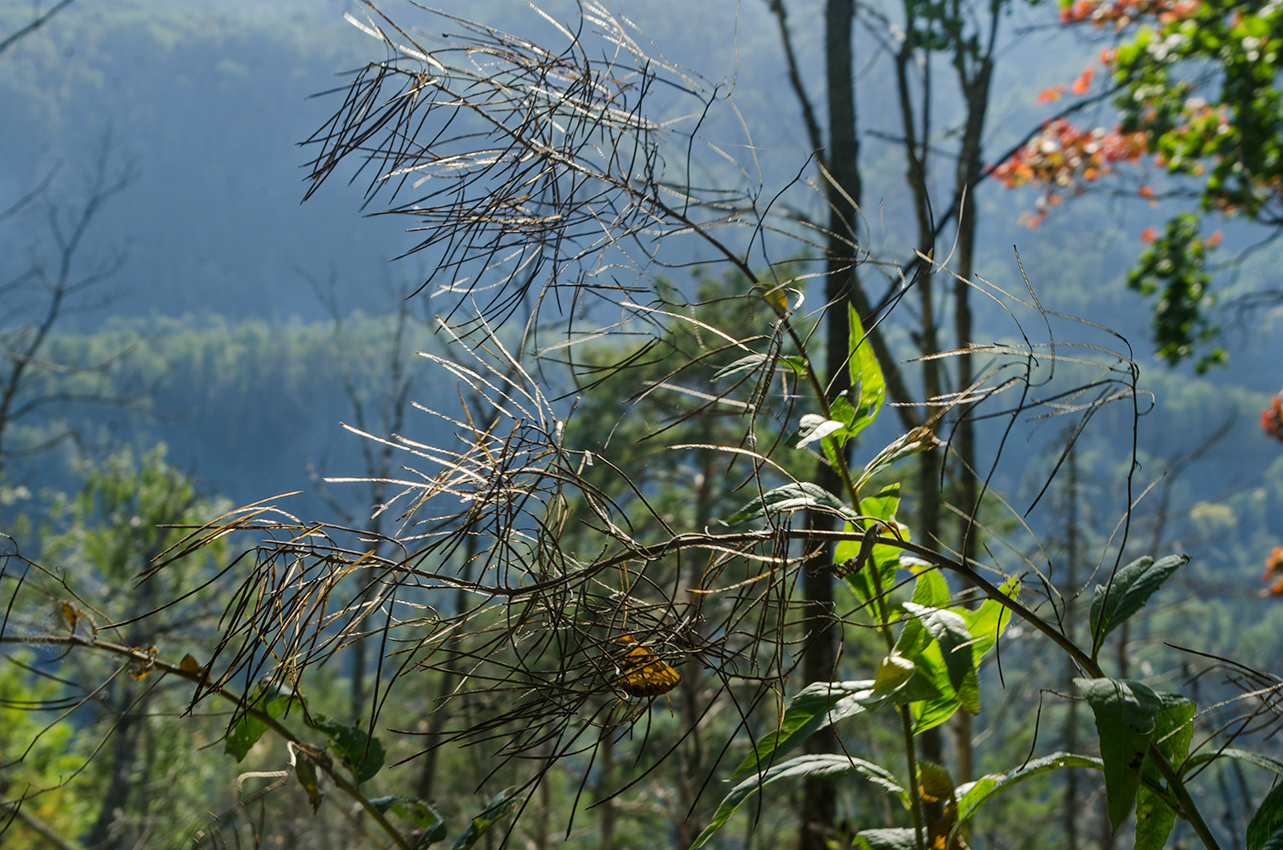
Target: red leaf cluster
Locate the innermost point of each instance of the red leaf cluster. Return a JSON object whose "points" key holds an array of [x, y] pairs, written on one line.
{"points": [[1120, 13], [1063, 158], [1272, 417], [1274, 573]]}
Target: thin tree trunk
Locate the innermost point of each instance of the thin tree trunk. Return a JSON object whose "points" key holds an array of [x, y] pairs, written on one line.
{"points": [[819, 798], [124, 751], [1071, 617], [606, 818], [969, 171]]}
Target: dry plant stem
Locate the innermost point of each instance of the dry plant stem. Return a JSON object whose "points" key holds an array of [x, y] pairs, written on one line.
{"points": [[201, 679]]}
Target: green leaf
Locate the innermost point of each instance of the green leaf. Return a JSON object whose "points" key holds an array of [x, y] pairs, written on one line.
{"points": [[950, 632], [423, 815], [875, 576], [1267, 824], [883, 504], [1274, 842], [930, 693], [886, 839], [797, 365], [900, 681], [1125, 719], [817, 705], [789, 498], [362, 753], [1173, 732], [866, 374], [934, 710], [1263, 761], [814, 428], [825, 766], [894, 671], [930, 714], [930, 589], [845, 550], [918, 440], [913, 640], [1131, 587], [988, 621], [305, 770], [972, 796], [271, 700], [488, 817]]}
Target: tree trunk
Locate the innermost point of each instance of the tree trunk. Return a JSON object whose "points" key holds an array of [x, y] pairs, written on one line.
{"points": [[819, 796], [975, 88], [1071, 618], [124, 752]]}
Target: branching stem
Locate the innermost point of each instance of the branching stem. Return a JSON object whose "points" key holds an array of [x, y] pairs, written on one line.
{"points": [[143, 657]]}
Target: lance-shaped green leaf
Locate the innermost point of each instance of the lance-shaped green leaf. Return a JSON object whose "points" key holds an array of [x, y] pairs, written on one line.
{"points": [[305, 772], [361, 753], [817, 705], [271, 700], [1258, 759], [875, 564], [790, 498], [1173, 732], [755, 361], [1125, 719], [929, 709], [425, 817], [866, 374], [972, 796], [918, 440], [900, 680], [930, 713], [987, 622], [1265, 831], [814, 428], [949, 630], [918, 645], [821, 766], [930, 589], [886, 839], [1131, 587], [502, 803]]}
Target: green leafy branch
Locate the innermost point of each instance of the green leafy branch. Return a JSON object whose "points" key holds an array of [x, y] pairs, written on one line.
{"points": [[359, 753]]}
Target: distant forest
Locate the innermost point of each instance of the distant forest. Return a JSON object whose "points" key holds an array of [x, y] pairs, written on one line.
{"points": [[575, 511]]}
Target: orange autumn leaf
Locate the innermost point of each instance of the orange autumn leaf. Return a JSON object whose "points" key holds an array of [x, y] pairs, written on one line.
{"points": [[1083, 82], [1051, 95]]}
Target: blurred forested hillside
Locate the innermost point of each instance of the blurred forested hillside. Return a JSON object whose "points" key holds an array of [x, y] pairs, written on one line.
{"points": [[242, 328], [206, 104]]}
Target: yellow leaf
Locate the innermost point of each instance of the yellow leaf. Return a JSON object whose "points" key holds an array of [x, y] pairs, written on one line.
{"points": [[71, 614], [190, 665], [645, 674], [140, 668]]}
